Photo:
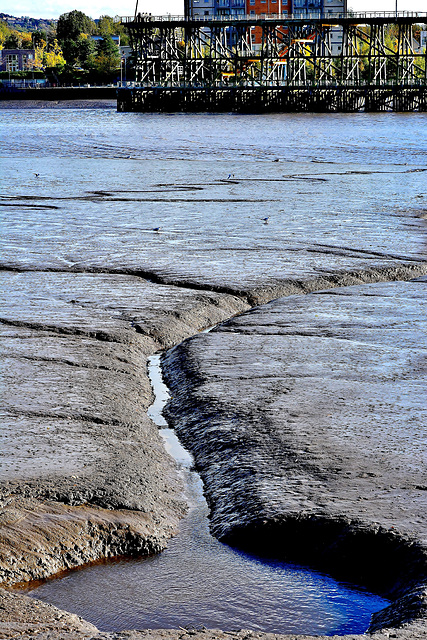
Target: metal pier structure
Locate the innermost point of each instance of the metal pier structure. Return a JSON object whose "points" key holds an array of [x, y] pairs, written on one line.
{"points": [[253, 64]]}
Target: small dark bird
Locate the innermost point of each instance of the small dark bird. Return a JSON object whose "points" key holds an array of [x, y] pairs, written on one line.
{"points": [[276, 160], [156, 229], [265, 220], [37, 175]]}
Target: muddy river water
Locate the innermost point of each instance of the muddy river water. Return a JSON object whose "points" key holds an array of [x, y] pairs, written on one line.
{"points": [[223, 202]]}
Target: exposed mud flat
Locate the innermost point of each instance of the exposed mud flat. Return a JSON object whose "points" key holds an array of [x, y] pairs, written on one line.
{"points": [[75, 401], [106, 103], [261, 402], [307, 421], [118, 244]]}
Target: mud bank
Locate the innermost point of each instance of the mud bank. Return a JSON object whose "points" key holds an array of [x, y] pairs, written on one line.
{"points": [[313, 410], [91, 479], [77, 391], [118, 244]]}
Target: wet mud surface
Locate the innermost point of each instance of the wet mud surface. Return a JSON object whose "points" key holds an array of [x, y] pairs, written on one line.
{"points": [[310, 407], [75, 398], [307, 418]]}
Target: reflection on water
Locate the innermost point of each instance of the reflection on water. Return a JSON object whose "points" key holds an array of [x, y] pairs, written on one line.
{"points": [[198, 581]]}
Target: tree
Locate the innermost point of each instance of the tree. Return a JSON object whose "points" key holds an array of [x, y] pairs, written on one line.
{"points": [[11, 41], [73, 34], [48, 55], [72, 24], [26, 41], [107, 60], [4, 32], [79, 52], [106, 26], [39, 39]]}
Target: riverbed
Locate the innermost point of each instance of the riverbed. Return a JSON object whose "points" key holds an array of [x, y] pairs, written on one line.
{"points": [[140, 230]]}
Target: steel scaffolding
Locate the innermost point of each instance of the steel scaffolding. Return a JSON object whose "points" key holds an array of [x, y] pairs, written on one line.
{"points": [[256, 55]]}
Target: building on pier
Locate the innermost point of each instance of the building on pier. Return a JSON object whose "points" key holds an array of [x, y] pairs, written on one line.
{"points": [[200, 9]]}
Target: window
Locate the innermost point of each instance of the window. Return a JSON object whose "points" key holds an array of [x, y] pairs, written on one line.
{"points": [[252, 13], [12, 62]]}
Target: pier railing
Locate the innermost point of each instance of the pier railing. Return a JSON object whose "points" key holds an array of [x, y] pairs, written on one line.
{"points": [[360, 16]]}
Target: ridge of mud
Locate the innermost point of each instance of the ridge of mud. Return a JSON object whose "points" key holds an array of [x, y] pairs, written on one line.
{"points": [[77, 437], [73, 494], [405, 270], [310, 440]]}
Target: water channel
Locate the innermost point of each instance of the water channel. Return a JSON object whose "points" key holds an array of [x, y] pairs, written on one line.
{"points": [[197, 581]]}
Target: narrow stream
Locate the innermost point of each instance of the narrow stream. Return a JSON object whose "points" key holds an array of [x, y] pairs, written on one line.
{"points": [[197, 581]]}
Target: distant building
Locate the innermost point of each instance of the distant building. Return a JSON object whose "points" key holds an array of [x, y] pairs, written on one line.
{"points": [[280, 8], [13, 60], [297, 8], [322, 8], [268, 7], [199, 8], [115, 39]]}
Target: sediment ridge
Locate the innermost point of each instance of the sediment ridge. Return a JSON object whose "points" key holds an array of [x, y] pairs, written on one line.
{"points": [[91, 479]]}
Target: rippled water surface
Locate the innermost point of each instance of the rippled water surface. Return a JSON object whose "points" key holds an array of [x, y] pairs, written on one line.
{"points": [[185, 196]]}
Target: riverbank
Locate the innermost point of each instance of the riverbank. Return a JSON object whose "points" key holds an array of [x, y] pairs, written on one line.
{"points": [[45, 515], [51, 94], [118, 246]]}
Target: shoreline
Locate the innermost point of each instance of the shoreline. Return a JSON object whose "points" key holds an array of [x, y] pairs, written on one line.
{"points": [[26, 501], [305, 409], [62, 94]]}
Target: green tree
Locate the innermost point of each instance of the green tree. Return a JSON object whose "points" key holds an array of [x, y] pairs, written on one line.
{"points": [[107, 59], [73, 33], [71, 25], [11, 41], [39, 39], [106, 26], [79, 52]]}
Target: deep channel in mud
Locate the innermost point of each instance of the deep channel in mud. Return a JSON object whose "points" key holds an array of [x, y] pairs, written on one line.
{"points": [[198, 581]]}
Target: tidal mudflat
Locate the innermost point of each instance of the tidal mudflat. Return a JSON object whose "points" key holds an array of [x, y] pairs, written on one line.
{"points": [[305, 416]]}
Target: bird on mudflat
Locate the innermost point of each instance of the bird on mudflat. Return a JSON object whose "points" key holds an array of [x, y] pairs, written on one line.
{"points": [[37, 175], [265, 220]]}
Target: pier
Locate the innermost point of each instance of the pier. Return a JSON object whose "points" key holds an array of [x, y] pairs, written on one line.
{"points": [[347, 62]]}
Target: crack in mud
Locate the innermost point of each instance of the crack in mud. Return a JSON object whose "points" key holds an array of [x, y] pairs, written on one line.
{"points": [[101, 199], [71, 415], [102, 336]]}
